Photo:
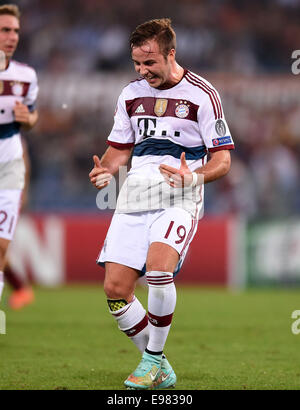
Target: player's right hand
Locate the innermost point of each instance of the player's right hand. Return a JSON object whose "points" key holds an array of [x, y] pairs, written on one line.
{"points": [[177, 178], [99, 176]]}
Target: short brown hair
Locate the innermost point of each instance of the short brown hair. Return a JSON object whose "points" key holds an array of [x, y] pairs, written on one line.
{"points": [[159, 30], [11, 10]]}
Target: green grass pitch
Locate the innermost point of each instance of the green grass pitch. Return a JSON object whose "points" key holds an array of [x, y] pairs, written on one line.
{"points": [[218, 340]]}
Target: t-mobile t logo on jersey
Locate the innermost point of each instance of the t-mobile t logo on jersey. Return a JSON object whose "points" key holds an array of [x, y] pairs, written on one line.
{"points": [[147, 128], [147, 124], [296, 63]]}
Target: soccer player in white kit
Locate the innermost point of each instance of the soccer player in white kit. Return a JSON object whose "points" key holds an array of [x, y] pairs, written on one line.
{"points": [[166, 121], [18, 92]]}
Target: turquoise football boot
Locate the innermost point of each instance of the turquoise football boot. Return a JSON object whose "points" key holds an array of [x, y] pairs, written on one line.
{"points": [[146, 374], [167, 377]]}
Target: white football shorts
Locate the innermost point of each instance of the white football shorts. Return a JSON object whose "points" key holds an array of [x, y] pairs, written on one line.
{"points": [[10, 201], [130, 235]]}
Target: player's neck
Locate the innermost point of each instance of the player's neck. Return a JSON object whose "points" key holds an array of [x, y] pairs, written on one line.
{"points": [[175, 77], [177, 73]]}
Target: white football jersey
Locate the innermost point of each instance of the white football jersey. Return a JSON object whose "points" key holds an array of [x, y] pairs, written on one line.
{"points": [[17, 83], [161, 124]]}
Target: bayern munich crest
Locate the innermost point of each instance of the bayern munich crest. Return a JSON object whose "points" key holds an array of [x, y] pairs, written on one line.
{"points": [[17, 88], [182, 110]]}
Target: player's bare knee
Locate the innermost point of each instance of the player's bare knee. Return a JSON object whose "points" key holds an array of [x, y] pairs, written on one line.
{"points": [[115, 290], [161, 257], [3, 250], [2, 254], [109, 289]]}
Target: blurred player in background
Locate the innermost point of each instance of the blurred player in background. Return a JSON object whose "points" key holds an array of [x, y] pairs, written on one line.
{"points": [[22, 294], [167, 120], [18, 93]]}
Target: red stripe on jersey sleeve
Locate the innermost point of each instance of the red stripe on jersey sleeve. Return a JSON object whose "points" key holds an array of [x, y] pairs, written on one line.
{"points": [[199, 86], [221, 148], [210, 90], [120, 145]]}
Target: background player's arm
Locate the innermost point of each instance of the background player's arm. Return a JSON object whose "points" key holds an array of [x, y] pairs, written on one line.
{"points": [[109, 165], [26, 118]]}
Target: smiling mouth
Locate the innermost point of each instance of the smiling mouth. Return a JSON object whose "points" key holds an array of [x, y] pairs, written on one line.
{"points": [[150, 77]]}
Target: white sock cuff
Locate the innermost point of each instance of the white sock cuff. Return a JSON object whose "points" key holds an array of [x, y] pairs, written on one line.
{"points": [[130, 314], [159, 278]]}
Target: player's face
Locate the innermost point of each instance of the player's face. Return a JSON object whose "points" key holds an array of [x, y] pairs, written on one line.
{"points": [[150, 63], [9, 34]]}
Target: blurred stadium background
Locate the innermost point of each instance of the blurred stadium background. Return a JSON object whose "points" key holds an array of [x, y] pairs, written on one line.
{"points": [[251, 231]]}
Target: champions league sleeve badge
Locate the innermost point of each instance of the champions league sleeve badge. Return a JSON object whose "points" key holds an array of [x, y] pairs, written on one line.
{"points": [[221, 141], [220, 128]]}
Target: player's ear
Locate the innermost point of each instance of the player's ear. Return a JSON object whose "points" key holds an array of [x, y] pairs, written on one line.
{"points": [[172, 53]]}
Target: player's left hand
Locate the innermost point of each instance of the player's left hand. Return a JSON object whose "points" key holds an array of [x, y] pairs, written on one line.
{"points": [[21, 113], [177, 178]]}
